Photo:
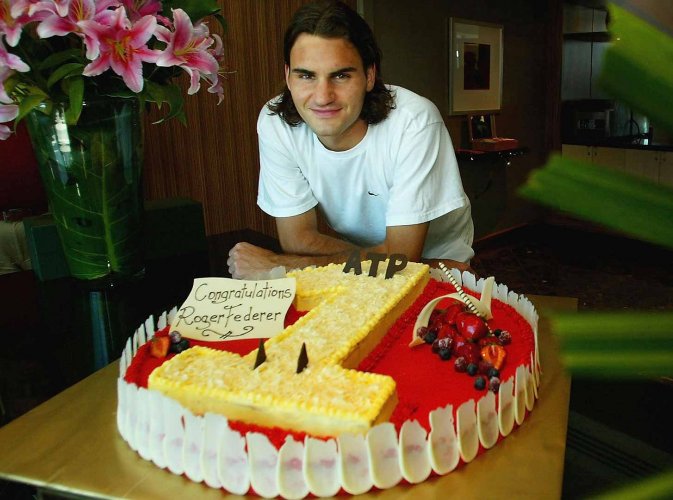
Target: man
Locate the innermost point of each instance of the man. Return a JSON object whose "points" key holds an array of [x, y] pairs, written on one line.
{"points": [[376, 160]]}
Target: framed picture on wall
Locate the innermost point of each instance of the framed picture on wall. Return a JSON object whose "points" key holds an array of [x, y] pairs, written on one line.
{"points": [[475, 67]]}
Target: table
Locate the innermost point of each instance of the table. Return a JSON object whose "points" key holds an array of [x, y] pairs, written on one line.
{"points": [[69, 445], [484, 176]]}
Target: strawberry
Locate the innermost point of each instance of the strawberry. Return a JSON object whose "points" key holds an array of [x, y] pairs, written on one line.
{"points": [[159, 346], [484, 367], [447, 331], [445, 343], [468, 350], [450, 313], [471, 326], [494, 354], [435, 317], [505, 337]]}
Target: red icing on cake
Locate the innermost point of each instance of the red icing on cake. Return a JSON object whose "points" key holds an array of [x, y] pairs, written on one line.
{"points": [[424, 381]]}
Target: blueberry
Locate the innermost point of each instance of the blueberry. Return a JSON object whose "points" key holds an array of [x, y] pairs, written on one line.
{"points": [[480, 383], [460, 364], [175, 336], [430, 336], [179, 346], [472, 369], [445, 354], [497, 332], [493, 372], [494, 384]]}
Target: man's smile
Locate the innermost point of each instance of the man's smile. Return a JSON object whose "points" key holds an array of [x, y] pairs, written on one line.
{"points": [[325, 113]]}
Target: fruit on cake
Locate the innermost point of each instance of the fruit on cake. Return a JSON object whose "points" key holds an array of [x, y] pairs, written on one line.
{"points": [[336, 401]]}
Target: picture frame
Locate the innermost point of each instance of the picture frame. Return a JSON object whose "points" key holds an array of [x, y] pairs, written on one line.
{"points": [[481, 126], [483, 135], [475, 67]]}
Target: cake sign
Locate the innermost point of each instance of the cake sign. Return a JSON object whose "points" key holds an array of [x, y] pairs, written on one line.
{"points": [[220, 309], [396, 262]]}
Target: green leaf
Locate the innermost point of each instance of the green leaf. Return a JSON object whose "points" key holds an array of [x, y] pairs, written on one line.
{"points": [[28, 104], [615, 199], [75, 99], [195, 9], [616, 344], [59, 58], [657, 486], [170, 94], [639, 49], [223, 22], [65, 71]]}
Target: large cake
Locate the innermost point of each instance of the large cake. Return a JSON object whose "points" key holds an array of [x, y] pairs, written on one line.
{"points": [[391, 389]]}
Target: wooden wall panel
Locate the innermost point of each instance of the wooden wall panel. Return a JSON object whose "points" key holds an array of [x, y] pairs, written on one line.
{"points": [[214, 158]]}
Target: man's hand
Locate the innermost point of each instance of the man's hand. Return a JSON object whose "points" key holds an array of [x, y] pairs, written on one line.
{"points": [[247, 260]]}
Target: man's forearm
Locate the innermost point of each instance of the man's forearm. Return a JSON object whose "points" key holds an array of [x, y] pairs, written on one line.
{"points": [[319, 249], [291, 261], [314, 243]]}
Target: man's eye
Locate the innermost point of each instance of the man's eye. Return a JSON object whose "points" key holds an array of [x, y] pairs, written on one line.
{"points": [[341, 76], [304, 76]]}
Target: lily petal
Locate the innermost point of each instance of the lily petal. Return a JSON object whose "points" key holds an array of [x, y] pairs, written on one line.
{"points": [[8, 112]]}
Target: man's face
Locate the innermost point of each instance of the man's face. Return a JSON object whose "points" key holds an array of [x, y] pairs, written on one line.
{"points": [[328, 83]]}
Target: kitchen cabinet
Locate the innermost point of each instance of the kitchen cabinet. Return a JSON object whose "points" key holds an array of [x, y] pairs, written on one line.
{"points": [[585, 40], [655, 165], [608, 157], [651, 164]]}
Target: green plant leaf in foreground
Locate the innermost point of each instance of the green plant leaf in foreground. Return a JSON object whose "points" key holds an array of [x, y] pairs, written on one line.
{"points": [[639, 49], [659, 486], [624, 202], [616, 344]]}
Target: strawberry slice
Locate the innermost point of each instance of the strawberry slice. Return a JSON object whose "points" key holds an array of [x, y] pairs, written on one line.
{"points": [[494, 354], [159, 346]]}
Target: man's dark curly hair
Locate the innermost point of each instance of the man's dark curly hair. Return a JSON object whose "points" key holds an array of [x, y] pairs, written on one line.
{"points": [[334, 19]]}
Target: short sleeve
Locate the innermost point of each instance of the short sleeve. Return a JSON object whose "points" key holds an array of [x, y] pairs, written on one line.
{"points": [[283, 189], [426, 180]]}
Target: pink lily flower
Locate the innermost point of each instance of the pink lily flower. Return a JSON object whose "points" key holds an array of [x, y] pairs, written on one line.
{"points": [[79, 11], [139, 8], [123, 47], [21, 7], [10, 24], [189, 48], [7, 113], [10, 60], [59, 6]]}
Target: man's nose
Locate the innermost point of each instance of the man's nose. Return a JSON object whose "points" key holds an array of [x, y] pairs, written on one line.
{"points": [[324, 92]]}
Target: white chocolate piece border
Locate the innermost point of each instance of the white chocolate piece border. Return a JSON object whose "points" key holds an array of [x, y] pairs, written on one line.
{"points": [[206, 449]]}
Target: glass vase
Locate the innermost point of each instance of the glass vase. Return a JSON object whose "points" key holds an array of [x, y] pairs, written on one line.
{"points": [[92, 173]]}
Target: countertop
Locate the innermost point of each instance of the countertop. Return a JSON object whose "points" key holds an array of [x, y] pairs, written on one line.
{"points": [[621, 144]]}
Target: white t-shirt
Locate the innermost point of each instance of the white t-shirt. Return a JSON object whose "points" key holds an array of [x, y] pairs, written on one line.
{"points": [[404, 171]]}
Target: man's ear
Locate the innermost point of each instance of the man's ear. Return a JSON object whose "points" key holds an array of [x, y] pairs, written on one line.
{"points": [[287, 74], [371, 77]]}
